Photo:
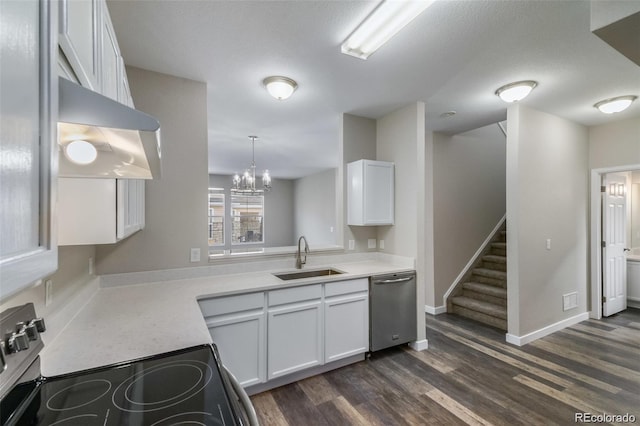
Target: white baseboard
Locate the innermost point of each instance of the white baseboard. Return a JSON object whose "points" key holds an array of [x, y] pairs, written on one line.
{"points": [[632, 302], [545, 331], [419, 345], [435, 310]]}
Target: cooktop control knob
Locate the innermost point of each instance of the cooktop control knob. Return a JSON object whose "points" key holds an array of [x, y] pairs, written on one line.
{"points": [[21, 341], [39, 323], [32, 331]]}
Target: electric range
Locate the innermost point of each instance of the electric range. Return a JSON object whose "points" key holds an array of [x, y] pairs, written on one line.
{"points": [[187, 386]]}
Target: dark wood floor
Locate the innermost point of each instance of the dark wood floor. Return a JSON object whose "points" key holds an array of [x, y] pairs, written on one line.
{"points": [[469, 375]]}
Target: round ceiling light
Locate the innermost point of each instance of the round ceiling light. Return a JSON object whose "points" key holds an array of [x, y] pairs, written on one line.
{"points": [[517, 91], [613, 105], [280, 87], [81, 152]]}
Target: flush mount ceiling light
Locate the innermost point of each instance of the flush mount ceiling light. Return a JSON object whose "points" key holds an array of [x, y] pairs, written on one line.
{"points": [[383, 23], [517, 91], [280, 87], [246, 184], [613, 105], [81, 152]]}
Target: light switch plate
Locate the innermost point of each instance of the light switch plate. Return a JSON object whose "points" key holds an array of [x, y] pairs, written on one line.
{"points": [[48, 292], [352, 245], [371, 243], [569, 301]]}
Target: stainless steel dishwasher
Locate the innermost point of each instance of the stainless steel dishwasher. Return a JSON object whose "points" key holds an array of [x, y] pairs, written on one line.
{"points": [[392, 310]]}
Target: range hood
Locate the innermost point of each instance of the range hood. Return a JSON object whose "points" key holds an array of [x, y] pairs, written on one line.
{"points": [[122, 142]]}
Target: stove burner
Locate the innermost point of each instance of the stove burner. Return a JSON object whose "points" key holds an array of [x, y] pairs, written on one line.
{"points": [[183, 379], [78, 395]]}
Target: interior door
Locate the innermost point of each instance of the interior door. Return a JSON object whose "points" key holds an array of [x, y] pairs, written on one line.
{"points": [[614, 263]]}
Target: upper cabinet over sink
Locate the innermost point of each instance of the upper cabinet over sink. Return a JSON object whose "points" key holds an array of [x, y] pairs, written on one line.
{"points": [[370, 193]]}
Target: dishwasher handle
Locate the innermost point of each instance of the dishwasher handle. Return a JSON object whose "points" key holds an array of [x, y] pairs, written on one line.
{"points": [[395, 280], [249, 410]]}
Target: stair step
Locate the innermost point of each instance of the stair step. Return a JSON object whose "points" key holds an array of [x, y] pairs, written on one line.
{"points": [[499, 245], [490, 273], [480, 306], [480, 317], [494, 258], [488, 289], [499, 248]]}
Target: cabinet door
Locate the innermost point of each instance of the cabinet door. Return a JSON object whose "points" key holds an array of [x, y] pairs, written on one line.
{"points": [[378, 193], [130, 207], [241, 342], [346, 329], [28, 151], [294, 338], [79, 37], [110, 66]]}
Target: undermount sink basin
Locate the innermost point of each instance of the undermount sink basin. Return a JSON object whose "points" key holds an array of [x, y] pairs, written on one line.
{"points": [[307, 274]]}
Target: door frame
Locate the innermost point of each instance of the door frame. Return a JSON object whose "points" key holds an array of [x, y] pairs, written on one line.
{"points": [[596, 234]]}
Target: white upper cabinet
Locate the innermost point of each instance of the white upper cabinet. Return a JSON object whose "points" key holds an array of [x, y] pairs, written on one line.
{"points": [[370, 193], [28, 249], [99, 211], [79, 39], [110, 57]]}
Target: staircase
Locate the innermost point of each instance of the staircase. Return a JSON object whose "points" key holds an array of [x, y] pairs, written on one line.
{"points": [[482, 293]]}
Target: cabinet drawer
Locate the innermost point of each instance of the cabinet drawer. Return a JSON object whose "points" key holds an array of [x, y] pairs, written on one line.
{"points": [[228, 304], [295, 294], [346, 287]]}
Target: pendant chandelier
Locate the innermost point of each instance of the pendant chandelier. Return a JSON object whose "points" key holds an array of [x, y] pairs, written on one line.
{"points": [[246, 184]]}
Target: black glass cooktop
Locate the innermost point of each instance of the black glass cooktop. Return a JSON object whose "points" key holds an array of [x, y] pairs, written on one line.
{"points": [[181, 387]]}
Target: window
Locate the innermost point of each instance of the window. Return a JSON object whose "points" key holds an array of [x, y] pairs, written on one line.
{"points": [[216, 217], [247, 217]]}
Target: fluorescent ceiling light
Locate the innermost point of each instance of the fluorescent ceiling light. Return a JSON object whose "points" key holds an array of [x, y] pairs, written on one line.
{"points": [[382, 24], [517, 91], [610, 106], [81, 152], [280, 87]]}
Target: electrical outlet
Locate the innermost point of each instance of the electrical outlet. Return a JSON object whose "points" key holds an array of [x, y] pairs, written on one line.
{"points": [[381, 244], [352, 245], [48, 292], [548, 243], [91, 266], [195, 255], [371, 243]]}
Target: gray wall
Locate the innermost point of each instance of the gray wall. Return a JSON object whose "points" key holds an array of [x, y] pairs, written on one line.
{"points": [[176, 204], [470, 200], [315, 208], [357, 142], [615, 144], [278, 211], [547, 195]]}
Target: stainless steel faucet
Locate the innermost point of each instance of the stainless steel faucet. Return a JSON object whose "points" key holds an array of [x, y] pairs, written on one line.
{"points": [[299, 261]]}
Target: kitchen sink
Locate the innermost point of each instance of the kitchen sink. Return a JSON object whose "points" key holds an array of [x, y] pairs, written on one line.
{"points": [[307, 274]]}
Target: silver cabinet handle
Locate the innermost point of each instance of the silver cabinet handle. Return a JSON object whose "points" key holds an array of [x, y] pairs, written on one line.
{"points": [[397, 280]]}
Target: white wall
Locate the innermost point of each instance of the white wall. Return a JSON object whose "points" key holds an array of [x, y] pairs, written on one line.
{"points": [[176, 204], [547, 198], [470, 198], [72, 286], [315, 208]]}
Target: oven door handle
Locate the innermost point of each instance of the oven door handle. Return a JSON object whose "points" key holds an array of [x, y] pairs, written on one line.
{"points": [[244, 398]]}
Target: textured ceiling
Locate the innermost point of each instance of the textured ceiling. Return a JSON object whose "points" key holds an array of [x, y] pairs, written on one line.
{"points": [[452, 57]]}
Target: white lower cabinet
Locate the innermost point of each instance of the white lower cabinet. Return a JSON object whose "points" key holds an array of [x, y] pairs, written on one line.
{"points": [[295, 338], [346, 319], [237, 325], [267, 335]]}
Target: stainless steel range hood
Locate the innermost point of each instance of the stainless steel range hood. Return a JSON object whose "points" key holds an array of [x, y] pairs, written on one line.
{"points": [[127, 140]]}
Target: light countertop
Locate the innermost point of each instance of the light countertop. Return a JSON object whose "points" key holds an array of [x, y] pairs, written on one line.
{"points": [[132, 321]]}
